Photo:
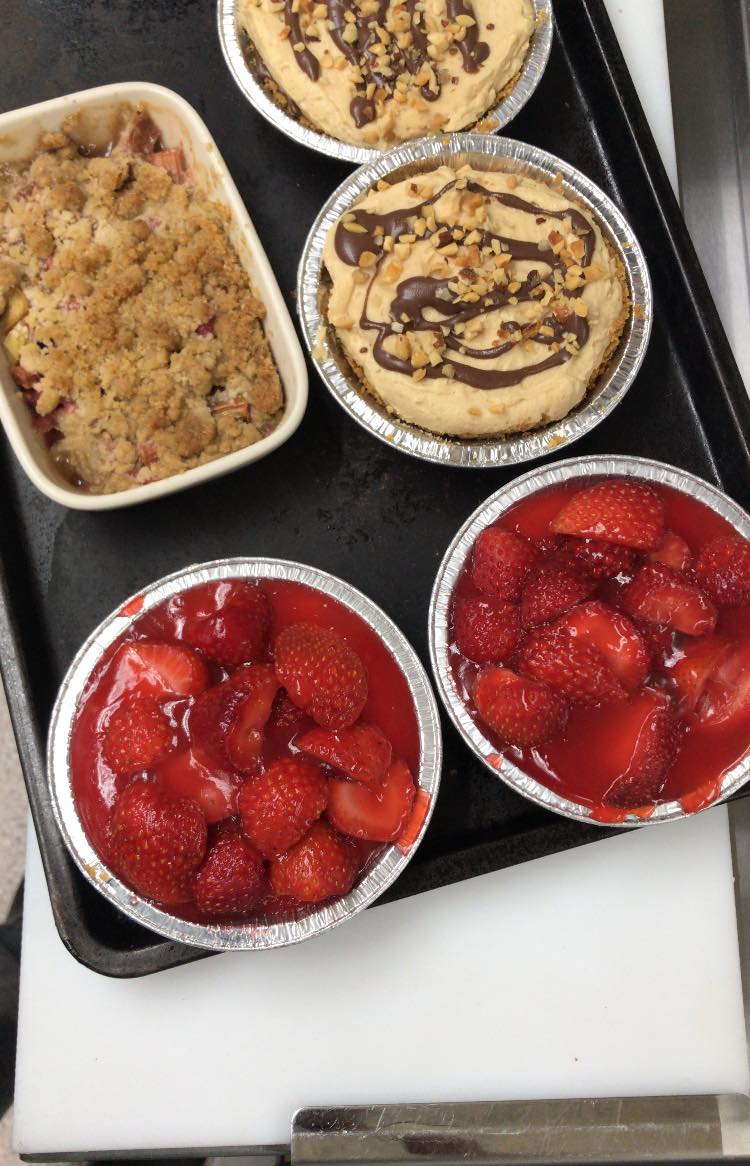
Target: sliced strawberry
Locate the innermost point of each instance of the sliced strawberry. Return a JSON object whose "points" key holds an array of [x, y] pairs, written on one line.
{"points": [[723, 569], [285, 716], [614, 636], [521, 710], [673, 552], [279, 806], [159, 670], [486, 629], [663, 596], [501, 560], [617, 510], [157, 841], [319, 866], [232, 626], [556, 585], [137, 735], [227, 720], [321, 674], [697, 663], [640, 749], [559, 658], [191, 773], [726, 695], [599, 559], [361, 752], [376, 813], [232, 878]]}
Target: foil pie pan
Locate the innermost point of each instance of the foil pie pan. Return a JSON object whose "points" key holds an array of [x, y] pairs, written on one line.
{"points": [[489, 154], [232, 936], [452, 565], [234, 45]]}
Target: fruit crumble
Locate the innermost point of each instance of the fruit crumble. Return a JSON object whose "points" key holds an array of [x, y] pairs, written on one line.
{"points": [[131, 327], [601, 640], [246, 749]]}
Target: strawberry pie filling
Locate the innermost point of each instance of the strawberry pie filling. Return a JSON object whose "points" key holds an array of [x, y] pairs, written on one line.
{"points": [[246, 749], [601, 641]]}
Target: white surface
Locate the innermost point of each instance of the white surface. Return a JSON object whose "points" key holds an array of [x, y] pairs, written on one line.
{"points": [[607, 970], [627, 948], [639, 25], [179, 125]]}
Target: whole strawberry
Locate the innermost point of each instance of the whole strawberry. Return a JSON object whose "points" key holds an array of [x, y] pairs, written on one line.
{"points": [[723, 569], [232, 878], [279, 806], [617, 510], [553, 587], [501, 560], [137, 736], [321, 674], [522, 711], [599, 559], [319, 866], [157, 841], [561, 659], [486, 629], [236, 630]]}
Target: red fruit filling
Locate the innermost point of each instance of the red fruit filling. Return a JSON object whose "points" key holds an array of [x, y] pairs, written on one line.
{"points": [[218, 757], [631, 684]]}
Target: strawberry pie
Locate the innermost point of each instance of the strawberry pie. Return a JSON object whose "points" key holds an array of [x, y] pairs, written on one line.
{"points": [[245, 750], [600, 639]]}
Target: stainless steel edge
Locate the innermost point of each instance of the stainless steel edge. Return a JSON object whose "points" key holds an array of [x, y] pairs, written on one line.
{"points": [[451, 566], [230, 936], [617, 1129], [710, 40], [500, 114], [485, 153]]}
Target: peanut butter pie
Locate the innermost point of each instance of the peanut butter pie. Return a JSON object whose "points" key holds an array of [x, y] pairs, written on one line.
{"points": [[474, 303], [378, 72]]}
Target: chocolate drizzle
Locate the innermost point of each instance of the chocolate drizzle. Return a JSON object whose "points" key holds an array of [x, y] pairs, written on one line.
{"points": [[473, 50], [415, 295], [306, 60], [374, 78]]}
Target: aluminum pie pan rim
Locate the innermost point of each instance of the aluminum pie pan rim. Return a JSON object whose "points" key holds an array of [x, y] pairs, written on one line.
{"points": [[452, 563], [531, 74], [231, 936], [510, 156]]}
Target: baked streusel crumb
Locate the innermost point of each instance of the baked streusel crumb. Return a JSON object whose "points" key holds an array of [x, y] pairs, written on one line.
{"points": [[132, 328]]}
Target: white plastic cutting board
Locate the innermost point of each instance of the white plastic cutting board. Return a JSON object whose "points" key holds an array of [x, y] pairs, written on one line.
{"points": [[608, 970]]}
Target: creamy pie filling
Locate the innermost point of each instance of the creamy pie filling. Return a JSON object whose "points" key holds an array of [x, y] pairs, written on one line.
{"points": [[474, 303], [376, 72]]}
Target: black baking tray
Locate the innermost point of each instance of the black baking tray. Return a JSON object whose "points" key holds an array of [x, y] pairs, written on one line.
{"points": [[333, 496]]}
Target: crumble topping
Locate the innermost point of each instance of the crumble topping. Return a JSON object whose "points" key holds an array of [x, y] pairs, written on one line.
{"points": [[132, 329]]}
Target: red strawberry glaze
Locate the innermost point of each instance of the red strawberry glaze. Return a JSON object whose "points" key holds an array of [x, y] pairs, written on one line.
{"points": [[568, 764], [389, 706]]}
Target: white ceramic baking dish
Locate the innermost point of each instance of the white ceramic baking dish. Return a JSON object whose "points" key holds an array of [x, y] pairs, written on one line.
{"points": [[179, 125]]}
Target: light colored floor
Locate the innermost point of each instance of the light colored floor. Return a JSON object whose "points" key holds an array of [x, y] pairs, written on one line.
{"points": [[12, 847]]}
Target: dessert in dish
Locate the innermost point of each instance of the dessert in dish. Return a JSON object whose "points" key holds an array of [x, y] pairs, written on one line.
{"points": [[245, 750], [473, 303], [129, 323], [377, 72], [600, 639]]}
